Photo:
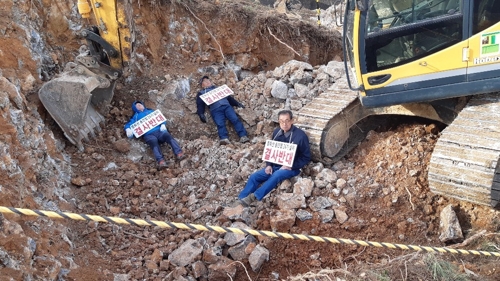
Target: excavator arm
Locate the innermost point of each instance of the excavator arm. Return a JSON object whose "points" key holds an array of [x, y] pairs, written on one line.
{"points": [[79, 97], [111, 30]]}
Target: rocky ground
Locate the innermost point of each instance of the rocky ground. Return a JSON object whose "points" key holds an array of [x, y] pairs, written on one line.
{"points": [[378, 192]]}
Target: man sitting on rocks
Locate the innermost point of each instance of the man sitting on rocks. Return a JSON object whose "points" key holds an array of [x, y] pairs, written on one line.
{"points": [[220, 111], [273, 174], [154, 137]]}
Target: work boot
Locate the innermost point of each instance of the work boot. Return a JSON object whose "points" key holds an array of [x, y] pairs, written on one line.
{"points": [[180, 156], [244, 139], [224, 142], [247, 201], [162, 164]]}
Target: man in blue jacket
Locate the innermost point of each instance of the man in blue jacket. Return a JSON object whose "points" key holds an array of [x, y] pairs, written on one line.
{"points": [[273, 174], [220, 111], [155, 137]]}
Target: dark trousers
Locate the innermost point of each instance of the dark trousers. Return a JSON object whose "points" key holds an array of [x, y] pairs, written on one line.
{"points": [[156, 138], [220, 114], [269, 182]]}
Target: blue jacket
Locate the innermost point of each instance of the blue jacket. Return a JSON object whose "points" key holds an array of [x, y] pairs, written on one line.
{"points": [[298, 137], [138, 115], [200, 104]]}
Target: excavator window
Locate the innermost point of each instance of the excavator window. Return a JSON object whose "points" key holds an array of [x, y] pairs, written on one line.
{"points": [[349, 31], [400, 31], [384, 14], [486, 13]]}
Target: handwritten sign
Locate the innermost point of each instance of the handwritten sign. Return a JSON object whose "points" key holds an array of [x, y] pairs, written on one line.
{"points": [[216, 94], [146, 123], [280, 153]]}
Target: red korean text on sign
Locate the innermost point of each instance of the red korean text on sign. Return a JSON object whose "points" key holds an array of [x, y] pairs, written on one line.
{"points": [[288, 159], [267, 154], [281, 156], [159, 118], [274, 155], [138, 131]]}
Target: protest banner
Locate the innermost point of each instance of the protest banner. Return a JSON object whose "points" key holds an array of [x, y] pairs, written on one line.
{"points": [[216, 94], [148, 122], [280, 153]]}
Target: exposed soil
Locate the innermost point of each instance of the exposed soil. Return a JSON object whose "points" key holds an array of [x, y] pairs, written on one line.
{"points": [[386, 196]]}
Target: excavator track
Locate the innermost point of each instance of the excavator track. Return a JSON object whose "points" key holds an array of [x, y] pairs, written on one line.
{"points": [[325, 121], [464, 164]]}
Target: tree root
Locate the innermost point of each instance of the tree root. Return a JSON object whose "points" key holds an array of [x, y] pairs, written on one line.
{"points": [[206, 28], [268, 29], [409, 193], [327, 273], [243, 267], [468, 240]]}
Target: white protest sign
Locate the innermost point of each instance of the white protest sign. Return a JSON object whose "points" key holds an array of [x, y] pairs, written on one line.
{"points": [[280, 153], [146, 123], [216, 94]]}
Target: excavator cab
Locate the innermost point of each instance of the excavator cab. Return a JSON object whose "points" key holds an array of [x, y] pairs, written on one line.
{"points": [[405, 51], [79, 97], [443, 56]]}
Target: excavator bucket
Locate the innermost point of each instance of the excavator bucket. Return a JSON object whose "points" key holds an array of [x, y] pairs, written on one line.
{"points": [[77, 100]]}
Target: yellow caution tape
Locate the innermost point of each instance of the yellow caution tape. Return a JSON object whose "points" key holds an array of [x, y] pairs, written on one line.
{"points": [[162, 224], [318, 11]]}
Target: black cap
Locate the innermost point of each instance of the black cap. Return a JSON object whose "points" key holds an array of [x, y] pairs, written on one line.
{"points": [[204, 77]]}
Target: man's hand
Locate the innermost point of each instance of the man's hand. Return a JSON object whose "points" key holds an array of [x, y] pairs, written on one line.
{"points": [[129, 132], [269, 170], [163, 128], [240, 105], [203, 118], [285, 168]]}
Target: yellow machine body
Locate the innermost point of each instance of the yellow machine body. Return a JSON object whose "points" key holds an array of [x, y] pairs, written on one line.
{"points": [[79, 97], [434, 59]]}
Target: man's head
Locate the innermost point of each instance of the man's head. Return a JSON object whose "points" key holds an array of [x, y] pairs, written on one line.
{"points": [[205, 82], [138, 106], [285, 118]]}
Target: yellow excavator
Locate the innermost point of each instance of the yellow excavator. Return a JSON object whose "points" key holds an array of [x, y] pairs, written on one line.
{"points": [[438, 59], [80, 96]]}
